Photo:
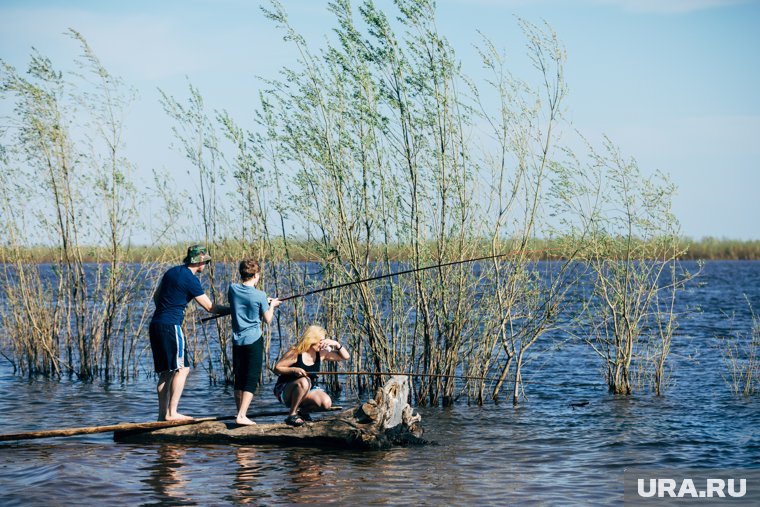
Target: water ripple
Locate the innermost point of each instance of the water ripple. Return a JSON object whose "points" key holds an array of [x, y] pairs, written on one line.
{"points": [[545, 452]]}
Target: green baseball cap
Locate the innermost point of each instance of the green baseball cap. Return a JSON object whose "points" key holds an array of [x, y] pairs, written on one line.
{"points": [[197, 254]]}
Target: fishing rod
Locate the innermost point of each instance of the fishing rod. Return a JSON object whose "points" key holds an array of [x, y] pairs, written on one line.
{"points": [[403, 374], [397, 273], [392, 373]]}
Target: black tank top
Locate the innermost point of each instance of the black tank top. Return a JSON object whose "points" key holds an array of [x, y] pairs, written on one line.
{"points": [[311, 369]]}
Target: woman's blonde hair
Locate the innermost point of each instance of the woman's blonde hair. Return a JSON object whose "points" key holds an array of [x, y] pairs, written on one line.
{"points": [[312, 335]]}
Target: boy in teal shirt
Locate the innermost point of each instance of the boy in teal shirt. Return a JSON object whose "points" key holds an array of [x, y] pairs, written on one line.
{"points": [[249, 308]]}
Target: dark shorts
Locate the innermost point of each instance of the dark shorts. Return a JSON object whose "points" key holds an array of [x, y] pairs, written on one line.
{"points": [[246, 364], [168, 345]]}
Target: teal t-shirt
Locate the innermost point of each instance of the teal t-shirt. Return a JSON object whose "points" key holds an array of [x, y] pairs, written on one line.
{"points": [[247, 305]]}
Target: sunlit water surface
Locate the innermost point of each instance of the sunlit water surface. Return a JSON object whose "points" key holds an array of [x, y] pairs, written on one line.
{"points": [[547, 452]]}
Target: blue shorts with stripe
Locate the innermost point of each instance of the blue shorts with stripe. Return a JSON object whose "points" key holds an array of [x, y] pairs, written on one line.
{"points": [[168, 345]]}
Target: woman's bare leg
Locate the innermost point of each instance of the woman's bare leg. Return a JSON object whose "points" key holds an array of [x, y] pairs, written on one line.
{"points": [[316, 400], [295, 393]]}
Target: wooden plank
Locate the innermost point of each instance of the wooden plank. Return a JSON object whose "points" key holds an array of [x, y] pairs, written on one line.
{"points": [[139, 426]]}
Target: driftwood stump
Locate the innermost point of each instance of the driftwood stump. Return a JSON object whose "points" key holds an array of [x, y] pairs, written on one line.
{"points": [[380, 423]]}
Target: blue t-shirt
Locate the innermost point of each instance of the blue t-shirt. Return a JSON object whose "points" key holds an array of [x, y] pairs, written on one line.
{"points": [[178, 287], [247, 305]]}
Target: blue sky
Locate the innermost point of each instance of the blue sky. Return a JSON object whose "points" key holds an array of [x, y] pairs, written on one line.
{"points": [[673, 82]]}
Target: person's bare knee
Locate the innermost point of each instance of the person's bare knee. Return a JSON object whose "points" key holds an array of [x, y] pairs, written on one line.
{"points": [[324, 401], [317, 400], [303, 384]]}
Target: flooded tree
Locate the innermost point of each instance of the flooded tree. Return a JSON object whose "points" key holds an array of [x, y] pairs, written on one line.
{"points": [[631, 246], [741, 356], [64, 159]]}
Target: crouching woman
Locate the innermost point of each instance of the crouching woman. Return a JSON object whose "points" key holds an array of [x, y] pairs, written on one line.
{"points": [[297, 386]]}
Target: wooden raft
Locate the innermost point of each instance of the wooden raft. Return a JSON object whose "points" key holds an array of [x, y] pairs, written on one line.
{"points": [[383, 422]]}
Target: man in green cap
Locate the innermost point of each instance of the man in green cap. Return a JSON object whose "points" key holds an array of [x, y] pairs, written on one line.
{"points": [[178, 286]]}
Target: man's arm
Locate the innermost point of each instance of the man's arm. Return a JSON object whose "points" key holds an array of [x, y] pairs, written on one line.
{"points": [[205, 303]]}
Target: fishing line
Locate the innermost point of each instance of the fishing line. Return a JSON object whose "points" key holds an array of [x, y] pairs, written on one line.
{"points": [[462, 377], [397, 273]]}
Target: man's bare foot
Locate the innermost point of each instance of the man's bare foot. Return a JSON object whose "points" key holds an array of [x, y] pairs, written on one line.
{"points": [[244, 421], [178, 417]]}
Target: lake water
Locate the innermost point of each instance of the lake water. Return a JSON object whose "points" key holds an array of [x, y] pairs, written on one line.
{"points": [[546, 452]]}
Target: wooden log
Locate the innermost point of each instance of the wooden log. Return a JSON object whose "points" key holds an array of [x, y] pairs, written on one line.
{"points": [[89, 430], [380, 423]]}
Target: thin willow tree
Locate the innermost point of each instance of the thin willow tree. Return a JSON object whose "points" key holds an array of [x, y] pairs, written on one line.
{"points": [[526, 297], [107, 100], [741, 355], [65, 152], [196, 133], [632, 248]]}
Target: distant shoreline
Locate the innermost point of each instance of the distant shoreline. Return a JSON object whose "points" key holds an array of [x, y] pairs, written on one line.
{"points": [[707, 249]]}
